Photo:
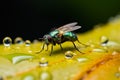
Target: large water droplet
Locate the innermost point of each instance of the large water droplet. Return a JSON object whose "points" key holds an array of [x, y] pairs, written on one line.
{"points": [[27, 42], [69, 54], [45, 75], [7, 41], [43, 62], [18, 40], [18, 57]]}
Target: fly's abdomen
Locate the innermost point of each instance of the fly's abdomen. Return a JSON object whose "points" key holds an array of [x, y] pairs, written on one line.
{"points": [[70, 36]]}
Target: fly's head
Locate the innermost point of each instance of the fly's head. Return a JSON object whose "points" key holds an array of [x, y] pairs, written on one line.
{"points": [[47, 39]]}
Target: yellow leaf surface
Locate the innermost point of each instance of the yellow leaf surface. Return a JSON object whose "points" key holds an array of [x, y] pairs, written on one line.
{"points": [[100, 62]]}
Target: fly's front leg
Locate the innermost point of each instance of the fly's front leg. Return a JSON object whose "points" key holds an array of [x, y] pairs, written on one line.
{"points": [[47, 48], [41, 49], [51, 50]]}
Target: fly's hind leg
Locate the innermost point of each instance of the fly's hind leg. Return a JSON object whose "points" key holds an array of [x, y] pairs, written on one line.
{"points": [[82, 43], [77, 48]]}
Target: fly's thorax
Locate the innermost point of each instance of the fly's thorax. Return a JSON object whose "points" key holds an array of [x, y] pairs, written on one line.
{"points": [[54, 33], [55, 36], [70, 36]]}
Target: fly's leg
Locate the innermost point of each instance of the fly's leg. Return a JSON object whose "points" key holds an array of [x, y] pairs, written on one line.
{"points": [[77, 48], [41, 49], [61, 46], [82, 43], [47, 48], [51, 50]]}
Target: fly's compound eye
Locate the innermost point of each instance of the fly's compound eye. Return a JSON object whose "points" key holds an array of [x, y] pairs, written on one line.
{"points": [[47, 39]]}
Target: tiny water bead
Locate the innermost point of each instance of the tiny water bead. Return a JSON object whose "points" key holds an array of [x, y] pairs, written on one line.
{"points": [[18, 40], [27, 43], [43, 62], [99, 50], [68, 54], [82, 59], [7, 41]]}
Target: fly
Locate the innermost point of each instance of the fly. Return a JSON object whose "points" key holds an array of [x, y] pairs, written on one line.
{"points": [[61, 35]]}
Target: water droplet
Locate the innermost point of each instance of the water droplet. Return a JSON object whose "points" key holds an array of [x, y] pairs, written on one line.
{"points": [[27, 42], [117, 74], [29, 77], [104, 40], [7, 41], [82, 59], [113, 44], [69, 54], [18, 57], [18, 40], [45, 75], [99, 50], [43, 62]]}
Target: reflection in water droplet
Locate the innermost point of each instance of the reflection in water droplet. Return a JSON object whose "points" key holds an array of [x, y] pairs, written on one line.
{"points": [[117, 74], [7, 41], [27, 42], [45, 75], [82, 59], [18, 40], [43, 62], [29, 77], [69, 54]]}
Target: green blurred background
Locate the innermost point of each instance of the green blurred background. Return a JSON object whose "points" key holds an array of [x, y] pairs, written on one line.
{"points": [[31, 19]]}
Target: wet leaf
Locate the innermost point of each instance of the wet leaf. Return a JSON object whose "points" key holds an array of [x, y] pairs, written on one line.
{"points": [[100, 61]]}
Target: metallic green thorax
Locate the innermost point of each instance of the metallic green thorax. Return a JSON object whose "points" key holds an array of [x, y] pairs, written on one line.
{"points": [[54, 33], [66, 36]]}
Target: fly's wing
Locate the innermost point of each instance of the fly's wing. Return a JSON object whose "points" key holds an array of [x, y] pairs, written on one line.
{"points": [[69, 27]]}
